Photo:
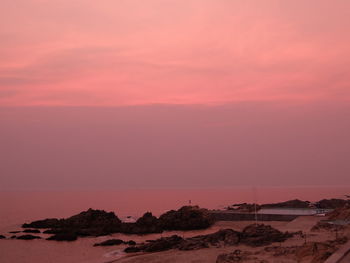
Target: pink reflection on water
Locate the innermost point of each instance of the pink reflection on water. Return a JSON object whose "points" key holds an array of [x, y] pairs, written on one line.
{"points": [[18, 207]]}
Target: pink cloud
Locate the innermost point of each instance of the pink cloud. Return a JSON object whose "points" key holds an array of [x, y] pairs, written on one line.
{"points": [[166, 51]]}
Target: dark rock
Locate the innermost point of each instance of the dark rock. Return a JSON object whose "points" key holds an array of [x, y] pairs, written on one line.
{"points": [[12, 237], [331, 203], [110, 242], [132, 249], [244, 207], [224, 237], [98, 223], [296, 203], [15, 232], [31, 231], [52, 231], [28, 237], [2, 237], [186, 218], [87, 223], [235, 256], [161, 244], [261, 235], [324, 225], [63, 237], [131, 243], [144, 225], [46, 223], [341, 213]]}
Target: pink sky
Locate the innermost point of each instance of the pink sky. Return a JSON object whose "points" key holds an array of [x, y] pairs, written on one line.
{"points": [[174, 93], [127, 52]]}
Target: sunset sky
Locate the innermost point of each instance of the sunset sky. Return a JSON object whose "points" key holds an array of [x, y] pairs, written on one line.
{"points": [[176, 93]]}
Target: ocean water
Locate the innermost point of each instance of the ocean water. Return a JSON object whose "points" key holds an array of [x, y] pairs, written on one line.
{"points": [[19, 207]]}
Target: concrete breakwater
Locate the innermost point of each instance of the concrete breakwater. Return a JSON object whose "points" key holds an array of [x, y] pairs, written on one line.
{"points": [[236, 216]]}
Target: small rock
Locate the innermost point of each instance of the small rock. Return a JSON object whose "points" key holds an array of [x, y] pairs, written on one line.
{"points": [[28, 237], [63, 237], [110, 242], [131, 243], [31, 231]]}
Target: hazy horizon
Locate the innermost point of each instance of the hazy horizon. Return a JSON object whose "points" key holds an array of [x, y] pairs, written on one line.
{"points": [[175, 146]]}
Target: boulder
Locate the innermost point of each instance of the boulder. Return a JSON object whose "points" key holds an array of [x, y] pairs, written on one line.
{"points": [[186, 218], [132, 249], [110, 242], [331, 203], [64, 237], [28, 237], [144, 225], [261, 235], [222, 237], [227, 237], [2, 237], [130, 243], [88, 223], [46, 223], [31, 231]]}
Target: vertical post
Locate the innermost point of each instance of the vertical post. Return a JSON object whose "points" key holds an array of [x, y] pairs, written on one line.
{"points": [[255, 214]]}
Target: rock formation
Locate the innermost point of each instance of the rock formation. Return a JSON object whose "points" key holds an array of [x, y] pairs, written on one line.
{"points": [[98, 223], [28, 237], [253, 235]]}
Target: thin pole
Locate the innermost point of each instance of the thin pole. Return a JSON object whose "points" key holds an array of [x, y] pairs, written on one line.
{"points": [[255, 200]]}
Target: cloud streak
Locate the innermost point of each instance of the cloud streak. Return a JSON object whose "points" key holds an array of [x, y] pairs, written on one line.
{"points": [[113, 53]]}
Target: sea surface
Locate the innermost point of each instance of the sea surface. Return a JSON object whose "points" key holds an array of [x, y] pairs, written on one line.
{"points": [[25, 206]]}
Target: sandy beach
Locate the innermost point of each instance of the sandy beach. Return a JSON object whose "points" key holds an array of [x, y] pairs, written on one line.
{"points": [[82, 250]]}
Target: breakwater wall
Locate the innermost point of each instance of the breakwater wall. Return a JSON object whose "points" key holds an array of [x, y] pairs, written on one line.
{"points": [[234, 216]]}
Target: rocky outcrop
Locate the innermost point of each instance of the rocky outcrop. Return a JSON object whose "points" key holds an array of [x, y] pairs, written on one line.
{"points": [[186, 218], [87, 223], [342, 213], [46, 223], [327, 226], [296, 203], [144, 225], [331, 203], [64, 237], [110, 242], [227, 237], [98, 223], [35, 231], [28, 237], [262, 235], [161, 244], [115, 242]]}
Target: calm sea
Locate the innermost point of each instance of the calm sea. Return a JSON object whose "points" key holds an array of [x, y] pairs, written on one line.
{"points": [[25, 206]]}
